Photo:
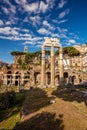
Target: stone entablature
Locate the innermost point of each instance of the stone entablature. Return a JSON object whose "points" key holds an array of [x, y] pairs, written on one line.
{"points": [[48, 42]]}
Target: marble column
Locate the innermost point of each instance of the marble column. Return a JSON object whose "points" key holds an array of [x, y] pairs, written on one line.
{"points": [[43, 78], [52, 67], [61, 66]]}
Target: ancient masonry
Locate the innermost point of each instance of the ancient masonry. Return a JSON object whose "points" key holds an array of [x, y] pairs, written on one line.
{"points": [[52, 43], [55, 69]]}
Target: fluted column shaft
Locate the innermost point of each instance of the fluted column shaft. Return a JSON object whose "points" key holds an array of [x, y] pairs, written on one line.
{"points": [[61, 66], [52, 67], [43, 79]]}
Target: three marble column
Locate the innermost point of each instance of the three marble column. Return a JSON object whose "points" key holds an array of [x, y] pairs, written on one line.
{"points": [[43, 77]]}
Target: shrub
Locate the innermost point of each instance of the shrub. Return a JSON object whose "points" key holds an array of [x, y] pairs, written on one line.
{"points": [[7, 100]]}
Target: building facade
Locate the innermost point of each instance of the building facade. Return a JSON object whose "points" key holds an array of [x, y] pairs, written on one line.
{"points": [[14, 75]]}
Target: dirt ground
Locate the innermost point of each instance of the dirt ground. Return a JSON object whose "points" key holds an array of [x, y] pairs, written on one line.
{"points": [[52, 109]]}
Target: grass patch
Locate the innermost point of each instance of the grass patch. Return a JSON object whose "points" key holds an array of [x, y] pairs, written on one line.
{"points": [[9, 117]]}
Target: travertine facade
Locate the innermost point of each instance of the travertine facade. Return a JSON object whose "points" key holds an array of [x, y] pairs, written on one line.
{"points": [[85, 62]]}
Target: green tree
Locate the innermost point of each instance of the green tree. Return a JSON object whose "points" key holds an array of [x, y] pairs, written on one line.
{"points": [[17, 53], [70, 51], [19, 62]]}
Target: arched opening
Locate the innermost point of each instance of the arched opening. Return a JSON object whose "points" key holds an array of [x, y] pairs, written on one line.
{"points": [[17, 78], [9, 78], [65, 77], [36, 77], [65, 74], [26, 77], [17, 75], [73, 78]]}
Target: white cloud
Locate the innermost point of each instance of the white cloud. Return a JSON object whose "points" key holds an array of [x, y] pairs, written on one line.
{"points": [[43, 7], [33, 7], [46, 23], [62, 35], [25, 35], [35, 19], [1, 23], [28, 7], [43, 31], [61, 3], [26, 19], [12, 31], [55, 21], [15, 33], [27, 42], [13, 19], [11, 9], [59, 21], [64, 13], [16, 37], [55, 35], [62, 30], [8, 23], [5, 10], [21, 1], [25, 30], [33, 40], [72, 41], [50, 3], [62, 21], [5, 30]]}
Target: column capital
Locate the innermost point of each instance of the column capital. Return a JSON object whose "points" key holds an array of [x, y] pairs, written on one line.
{"points": [[43, 48]]}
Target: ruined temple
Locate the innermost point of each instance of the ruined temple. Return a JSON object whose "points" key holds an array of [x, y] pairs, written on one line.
{"points": [[49, 71]]}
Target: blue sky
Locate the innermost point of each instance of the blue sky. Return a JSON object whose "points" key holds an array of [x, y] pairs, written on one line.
{"points": [[27, 22]]}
